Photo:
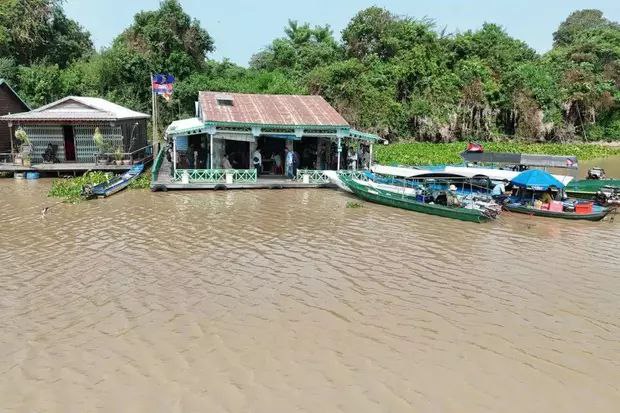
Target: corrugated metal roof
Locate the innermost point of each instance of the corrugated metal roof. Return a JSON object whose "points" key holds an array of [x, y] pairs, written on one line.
{"points": [[79, 109], [292, 110]]}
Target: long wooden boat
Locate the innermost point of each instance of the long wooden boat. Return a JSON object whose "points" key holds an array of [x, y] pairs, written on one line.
{"points": [[113, 185], [590, 188], [598, 212], [377, 195]]}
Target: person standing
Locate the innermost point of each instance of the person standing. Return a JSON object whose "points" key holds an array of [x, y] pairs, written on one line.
{"points": [[257, 161], [296, 162], [226, 163], [288, 163]]}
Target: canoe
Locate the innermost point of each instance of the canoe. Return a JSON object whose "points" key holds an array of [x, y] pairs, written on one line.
{"points": [[370, 193], [597, 214], [113, 185]]}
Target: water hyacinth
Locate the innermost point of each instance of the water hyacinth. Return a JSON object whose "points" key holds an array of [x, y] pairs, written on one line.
{"points": [[424, 153], [70, 189]]}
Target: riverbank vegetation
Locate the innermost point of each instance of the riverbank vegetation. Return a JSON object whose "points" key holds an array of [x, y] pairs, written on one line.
{"points": [[397, 76], [425, 153], [70, 189]]}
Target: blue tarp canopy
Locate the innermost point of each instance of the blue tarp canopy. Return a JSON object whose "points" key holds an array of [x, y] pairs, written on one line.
{"points": [[536, 180]]}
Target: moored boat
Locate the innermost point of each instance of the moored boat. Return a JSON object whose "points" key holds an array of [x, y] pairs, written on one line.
{"points": [[472, 211], [113, 185], [597, 214], [537, 194], [596, 187]]}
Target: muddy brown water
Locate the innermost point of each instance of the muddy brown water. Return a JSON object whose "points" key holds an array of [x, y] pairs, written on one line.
{"points": [[283, 301]]}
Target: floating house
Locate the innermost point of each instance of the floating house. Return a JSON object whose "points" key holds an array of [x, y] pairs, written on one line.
{"points": [[217, 147], [61, 134], [10, 102]]}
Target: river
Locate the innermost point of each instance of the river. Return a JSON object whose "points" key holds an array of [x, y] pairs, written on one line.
{"points": [[283, 301]]}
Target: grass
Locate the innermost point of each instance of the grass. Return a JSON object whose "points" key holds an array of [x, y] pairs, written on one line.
{"points": [[352, 204], [423, 153], [70, 189]]}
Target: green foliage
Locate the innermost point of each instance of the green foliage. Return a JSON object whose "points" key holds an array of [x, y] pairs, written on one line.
{"points": [[392, 75], [38, 30], [70, 189], [22, 137], [142, 182], [420, 153]]}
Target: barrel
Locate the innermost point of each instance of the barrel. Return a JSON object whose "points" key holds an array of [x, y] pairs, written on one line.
{"points": [[33, 175], [19, 175]]}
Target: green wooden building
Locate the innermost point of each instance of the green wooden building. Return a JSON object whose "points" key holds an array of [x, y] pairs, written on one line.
{"points": [[219, 144]]}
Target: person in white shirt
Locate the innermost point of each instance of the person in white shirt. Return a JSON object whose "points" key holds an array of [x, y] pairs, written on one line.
{"points": [[226, 163], [257, 161]]}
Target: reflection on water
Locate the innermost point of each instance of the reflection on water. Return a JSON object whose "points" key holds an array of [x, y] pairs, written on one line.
{"points": [[272, 301]]}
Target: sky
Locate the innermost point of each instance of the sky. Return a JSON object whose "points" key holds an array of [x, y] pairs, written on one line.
{"points": [[241, 28]]}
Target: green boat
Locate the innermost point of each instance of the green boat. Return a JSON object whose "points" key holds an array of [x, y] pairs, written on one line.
{"points": [[597, 213], [590, 188], [400, 200]]}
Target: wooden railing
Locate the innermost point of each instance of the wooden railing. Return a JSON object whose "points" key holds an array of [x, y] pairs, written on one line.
{"points": [[157, 163], [215, 175], [319, 177], [126, 157]]}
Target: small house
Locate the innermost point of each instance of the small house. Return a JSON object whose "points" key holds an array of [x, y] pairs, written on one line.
{"points": [[68, 126]]}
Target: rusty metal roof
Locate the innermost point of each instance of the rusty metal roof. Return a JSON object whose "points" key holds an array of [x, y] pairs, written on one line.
{"points": [[290, 110]]}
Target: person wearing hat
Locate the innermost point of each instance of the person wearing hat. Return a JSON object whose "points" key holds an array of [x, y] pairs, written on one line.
{"points": [[451, 198]]}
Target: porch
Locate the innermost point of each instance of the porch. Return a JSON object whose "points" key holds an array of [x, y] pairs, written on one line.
{"points": [[164, 177]]}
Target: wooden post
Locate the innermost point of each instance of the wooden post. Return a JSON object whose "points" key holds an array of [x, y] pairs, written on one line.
{"points": [[174, 156], [11, 140], [339, 149], [370, 161], [211, 151]]}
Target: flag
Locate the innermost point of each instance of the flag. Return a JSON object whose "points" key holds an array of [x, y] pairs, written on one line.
{"points": [[162, 84]]}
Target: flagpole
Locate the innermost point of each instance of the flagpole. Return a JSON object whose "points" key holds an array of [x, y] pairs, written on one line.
{"points": [[153, 118]]}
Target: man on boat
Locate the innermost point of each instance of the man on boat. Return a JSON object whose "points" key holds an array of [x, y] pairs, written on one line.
{"points": [[499, 191], [451, 197]]}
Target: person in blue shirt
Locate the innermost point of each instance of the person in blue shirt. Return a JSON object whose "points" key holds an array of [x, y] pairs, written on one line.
{"points": [[499, 191]]}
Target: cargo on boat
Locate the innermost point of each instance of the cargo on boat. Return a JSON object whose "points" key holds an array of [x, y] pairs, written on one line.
{"points": [[441, 203], [537, 193]]}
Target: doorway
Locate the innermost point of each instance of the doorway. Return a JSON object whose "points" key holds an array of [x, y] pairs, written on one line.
{"points": [[69, 143], [272, 148], [238, 154]]}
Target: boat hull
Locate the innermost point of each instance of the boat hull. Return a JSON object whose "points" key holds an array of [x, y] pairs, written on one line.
{"points": [[594, 216], [405, 202]]}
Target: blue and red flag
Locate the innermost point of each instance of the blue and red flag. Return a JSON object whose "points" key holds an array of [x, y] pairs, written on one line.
{"points": [[162, 84]]}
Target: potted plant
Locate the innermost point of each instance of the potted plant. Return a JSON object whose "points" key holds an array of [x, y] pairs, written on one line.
{"points": [[25, 147], [101, 144], [118, 156], [26, 161]]}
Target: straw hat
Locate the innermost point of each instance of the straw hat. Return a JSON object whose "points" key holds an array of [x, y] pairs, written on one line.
{"points": [[452, 187]]}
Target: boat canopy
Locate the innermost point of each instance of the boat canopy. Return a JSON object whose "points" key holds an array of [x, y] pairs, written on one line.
{"points": [[536, 180], [549, 161]]}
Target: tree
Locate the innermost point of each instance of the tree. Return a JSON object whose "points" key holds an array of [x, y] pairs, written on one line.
{"points": [[38, 30], [167, 38], [579, 22], [300, 51]]}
